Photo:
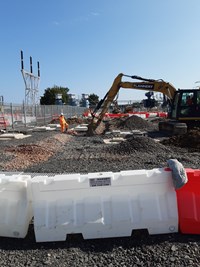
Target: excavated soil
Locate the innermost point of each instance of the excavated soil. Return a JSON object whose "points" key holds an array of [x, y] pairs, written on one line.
{"points": [[53, 152], [129, 123], [191, 140]]}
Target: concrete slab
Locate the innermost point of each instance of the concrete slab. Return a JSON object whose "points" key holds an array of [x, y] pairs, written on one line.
{"points": [[10, 136], [81, 128], [114, 140], [54, 126], [127, 133], [43, 129], [139, 133]]}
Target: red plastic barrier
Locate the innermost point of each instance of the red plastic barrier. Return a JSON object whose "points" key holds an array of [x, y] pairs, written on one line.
{"points": [[188, 200], [139, 113], [147, 114], [3, 123], [162, 114]]}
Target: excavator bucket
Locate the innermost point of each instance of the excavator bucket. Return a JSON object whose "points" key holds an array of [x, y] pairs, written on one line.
{"points": [[93, 129], [100, 128]]}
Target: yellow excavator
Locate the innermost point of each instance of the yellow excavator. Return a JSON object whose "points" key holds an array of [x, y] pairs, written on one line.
{"points": [[183, 114]]}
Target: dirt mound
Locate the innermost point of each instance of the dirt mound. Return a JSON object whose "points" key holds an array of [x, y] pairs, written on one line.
{"points": [[25, 155], [138, 144], [27, 149], [128, 123], [69, 121], [189, 140], [74, 121]]}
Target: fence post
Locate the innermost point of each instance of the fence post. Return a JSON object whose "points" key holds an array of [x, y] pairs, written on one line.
{"points": [[51, 111], [36, 115], [44, 115], [24, 110], [11, 111]]}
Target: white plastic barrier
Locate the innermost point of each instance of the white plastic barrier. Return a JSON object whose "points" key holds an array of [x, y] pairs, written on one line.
{"points": [[153, 114], [107, 204], [143, 116], [15, 205]]}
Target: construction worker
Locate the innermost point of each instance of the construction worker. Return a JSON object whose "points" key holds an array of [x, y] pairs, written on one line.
{"points": [[189, 100], [63, 124]]}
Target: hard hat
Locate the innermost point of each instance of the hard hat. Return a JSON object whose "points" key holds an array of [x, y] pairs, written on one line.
{"points": [[61, 114]]}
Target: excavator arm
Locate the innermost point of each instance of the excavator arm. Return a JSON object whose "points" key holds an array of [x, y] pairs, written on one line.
{"points": [[144, 84], [150, 85]]}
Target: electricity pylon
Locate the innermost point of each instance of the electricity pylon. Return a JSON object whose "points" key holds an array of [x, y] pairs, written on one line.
{"points": [[31, 84]]}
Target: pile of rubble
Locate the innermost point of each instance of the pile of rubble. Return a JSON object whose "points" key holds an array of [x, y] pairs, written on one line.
{"points": [[138, 144], [189, 140], [129, 123]]}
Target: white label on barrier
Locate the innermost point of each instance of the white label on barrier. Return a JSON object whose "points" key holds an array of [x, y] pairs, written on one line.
{"points": [[104, 181]]}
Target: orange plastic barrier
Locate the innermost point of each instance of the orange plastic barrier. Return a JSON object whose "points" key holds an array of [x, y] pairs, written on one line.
{"points": [[188, 200]]}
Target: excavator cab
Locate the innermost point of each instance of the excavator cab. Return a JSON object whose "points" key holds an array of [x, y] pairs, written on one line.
{"points": [[184, 112], [186, 107]]}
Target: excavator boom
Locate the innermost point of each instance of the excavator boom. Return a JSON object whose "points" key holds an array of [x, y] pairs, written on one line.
{"points": [[157, 86]]}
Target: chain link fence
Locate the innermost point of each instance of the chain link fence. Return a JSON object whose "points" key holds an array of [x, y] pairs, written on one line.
{"points": [[16, 115]]}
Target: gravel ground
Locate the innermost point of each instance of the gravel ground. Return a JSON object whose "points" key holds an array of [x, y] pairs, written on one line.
{"points": [[52, 152]]}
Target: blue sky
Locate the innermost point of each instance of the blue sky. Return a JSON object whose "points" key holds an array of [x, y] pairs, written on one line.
{"points": [[84, 44]]}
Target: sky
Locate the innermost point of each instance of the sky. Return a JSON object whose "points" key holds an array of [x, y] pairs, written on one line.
{"points": [[85, 44]]}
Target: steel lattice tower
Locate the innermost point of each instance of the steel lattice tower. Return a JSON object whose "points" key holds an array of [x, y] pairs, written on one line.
{"points": [[31, 84]]}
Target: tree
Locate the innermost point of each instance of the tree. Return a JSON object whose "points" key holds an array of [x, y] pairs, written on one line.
{"points": [[93, 99], [49, 97]]}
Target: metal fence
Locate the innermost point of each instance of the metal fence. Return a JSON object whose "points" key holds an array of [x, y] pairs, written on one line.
{"points": [[16, 115]]}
